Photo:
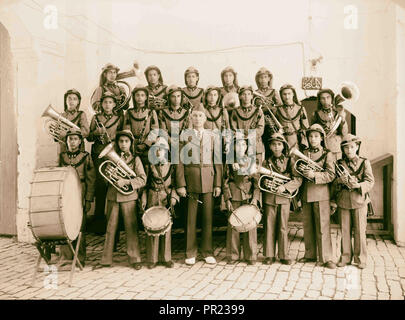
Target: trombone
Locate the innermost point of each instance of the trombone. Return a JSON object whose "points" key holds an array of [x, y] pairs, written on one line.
{"points": [[261, 101]]}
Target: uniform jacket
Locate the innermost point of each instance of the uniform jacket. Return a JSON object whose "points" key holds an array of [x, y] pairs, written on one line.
{"points": [[249, 118], [195, 96], [140, 122], [159, 91], [181, 116], [116, 89], [319, 190], [271, 94], [283, 165], [159, 187], [138, 182], [327, 120], [360, 169], [294, 120], [85, 169], [204, 176], [240, 187], [112, 124], [79, 118], [224, 90]]}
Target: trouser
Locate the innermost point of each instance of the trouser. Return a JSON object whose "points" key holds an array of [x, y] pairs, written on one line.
{"points": [[317, 237], [128, 210], [66, 252], [191, 243], [276, 230], [100, 191], [249, 241], [353, 220], [159, 248]]}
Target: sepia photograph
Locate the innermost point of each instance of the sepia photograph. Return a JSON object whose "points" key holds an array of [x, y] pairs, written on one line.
{"points": [[223, 152]]}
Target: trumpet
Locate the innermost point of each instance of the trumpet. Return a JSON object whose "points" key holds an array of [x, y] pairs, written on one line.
{"points": [[57, 126], [306, 163], [269, 182], [156, 103], [341, 171], [114, 169], [261, 101], [105, 137]]}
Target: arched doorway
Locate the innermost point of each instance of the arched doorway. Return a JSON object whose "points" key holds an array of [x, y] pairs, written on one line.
{"points": [[8, 139]]}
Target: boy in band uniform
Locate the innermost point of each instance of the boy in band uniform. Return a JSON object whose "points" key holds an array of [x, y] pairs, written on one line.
{"points": [[316, 200], [326, 115], [276, 207], [201, 178], [126, 204], [191, 91], [240, 187], [351, 196], [112, 123], [160, 191], [264, 82], [155, 85], [293, 117], [81, 161]]}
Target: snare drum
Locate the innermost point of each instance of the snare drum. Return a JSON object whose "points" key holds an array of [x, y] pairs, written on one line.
{"points": [[245, 218], [55, 204], [157, 221]]}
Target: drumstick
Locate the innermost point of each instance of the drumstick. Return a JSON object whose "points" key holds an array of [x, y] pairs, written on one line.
{"points": [[190, 196]]}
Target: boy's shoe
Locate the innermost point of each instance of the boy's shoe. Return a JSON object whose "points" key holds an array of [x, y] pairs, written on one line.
{"points": [[330, 265], [304, 260], [230, 261], [190, 261], [168, 264], [286, 261], [210, 260], [251, 262], [361, 265], [136, 266], [269, 260], [342, 264], [151, 265]]}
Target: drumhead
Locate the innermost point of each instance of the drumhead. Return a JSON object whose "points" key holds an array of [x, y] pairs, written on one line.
{"points": [[72, 207], [245, 218], [156, 220]]}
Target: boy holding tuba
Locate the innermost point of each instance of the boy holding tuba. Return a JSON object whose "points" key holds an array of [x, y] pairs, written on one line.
{"points": [[124, 203], [355, 180], [316, 199], [276, 207]]}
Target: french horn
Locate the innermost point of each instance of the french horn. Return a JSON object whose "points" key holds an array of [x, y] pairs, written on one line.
{"points": [[114, 168], [57, 126]]}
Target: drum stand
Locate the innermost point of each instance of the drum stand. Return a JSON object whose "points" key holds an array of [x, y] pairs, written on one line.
{"points": [[44, 248]]}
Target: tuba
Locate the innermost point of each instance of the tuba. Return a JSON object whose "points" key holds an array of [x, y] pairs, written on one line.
{"points": [[304, 162], [347, 92], [114, 168], [57, 126], [269, 182]]}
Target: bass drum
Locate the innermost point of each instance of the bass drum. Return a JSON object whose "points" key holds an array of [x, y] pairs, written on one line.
{"points": [[55, 204]]}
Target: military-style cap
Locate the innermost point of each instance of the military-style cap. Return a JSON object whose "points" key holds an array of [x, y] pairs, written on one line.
{"points": [[245, 88], [140, 87], [228, 69], [173, 88], [108, 94], [326, 90], [199, 108], [279, 137], [162, 143], [72, 91], [74, 132], [110, 66], [289, 86], [126, 133], [151, 68], [349, 138], [212, 88], [191, 70], [261, 71], [316, 127]]}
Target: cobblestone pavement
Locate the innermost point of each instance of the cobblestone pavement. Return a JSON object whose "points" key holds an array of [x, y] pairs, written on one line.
{"points": [[384, 277]]}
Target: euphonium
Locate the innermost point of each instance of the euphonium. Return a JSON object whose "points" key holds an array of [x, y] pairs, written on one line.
{"points": [[269, 182], [115, 168], [304, 162], [57, 126]]}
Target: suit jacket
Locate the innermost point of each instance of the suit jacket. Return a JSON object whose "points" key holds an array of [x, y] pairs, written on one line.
{"points": [[201, 175], [285, 166], [319, 190], [295, 122], [83, 164], [138, 182], [249, 118], [159, 187], [240, 187], [357, 198], [327, 120], [112, 124]]}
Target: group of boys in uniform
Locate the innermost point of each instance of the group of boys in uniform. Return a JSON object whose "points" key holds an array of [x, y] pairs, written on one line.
{"points": [[202, 174]]}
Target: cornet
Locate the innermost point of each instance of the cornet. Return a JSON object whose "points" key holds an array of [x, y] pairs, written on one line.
{"points": [[115, 168], [306, 163], [57, 126], [261, 101], [105, 137], [269, 182], [341, 171]]}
